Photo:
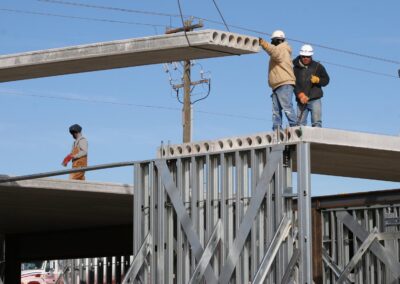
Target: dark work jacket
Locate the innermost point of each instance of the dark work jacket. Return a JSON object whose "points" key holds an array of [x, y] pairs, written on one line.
{"points": [[303, 78]]}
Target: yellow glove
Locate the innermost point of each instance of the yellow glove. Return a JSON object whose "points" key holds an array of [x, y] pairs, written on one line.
{"points": [[314, 79], [302, 98]]}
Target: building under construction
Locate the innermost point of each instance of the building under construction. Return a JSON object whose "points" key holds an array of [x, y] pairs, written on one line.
{"points": [[232, 210]]}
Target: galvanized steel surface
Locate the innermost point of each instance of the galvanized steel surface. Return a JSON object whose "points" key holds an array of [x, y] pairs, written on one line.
{"points": [[180, 202], [346, 229]]}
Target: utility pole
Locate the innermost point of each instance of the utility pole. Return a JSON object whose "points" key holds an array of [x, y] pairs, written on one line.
{"points": [[187, 84], [187, 111]]}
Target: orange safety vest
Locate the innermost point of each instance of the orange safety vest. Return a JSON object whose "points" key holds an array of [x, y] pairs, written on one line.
{"points": [[78, 163]]}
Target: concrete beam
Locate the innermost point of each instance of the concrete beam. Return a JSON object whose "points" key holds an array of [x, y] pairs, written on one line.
{"points": [[333, 152], [124, 53], [52, 205]]}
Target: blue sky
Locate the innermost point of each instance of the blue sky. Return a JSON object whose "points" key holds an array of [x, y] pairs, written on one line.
{"points": [[34, 129]]}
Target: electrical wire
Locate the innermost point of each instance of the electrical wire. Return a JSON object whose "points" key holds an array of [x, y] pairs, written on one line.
{"points": [[65, 98], [206, 96], [204, 19], [78, 18], [360, 69], [183, 22], [108, 8], [344, 51], [220, 14], [198, 47], [177, 96]]}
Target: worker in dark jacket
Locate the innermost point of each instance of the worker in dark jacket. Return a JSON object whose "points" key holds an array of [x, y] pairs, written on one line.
{"points": [[310, 77]]}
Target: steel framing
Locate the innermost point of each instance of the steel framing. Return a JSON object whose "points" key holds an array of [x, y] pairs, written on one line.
{"points": [[222, 217], [360, 244], [94, 270]]}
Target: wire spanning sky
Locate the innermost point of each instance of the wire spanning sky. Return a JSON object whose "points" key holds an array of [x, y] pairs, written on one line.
{"points": [[126, 113]]}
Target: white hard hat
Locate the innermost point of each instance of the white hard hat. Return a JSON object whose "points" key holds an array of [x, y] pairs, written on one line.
{"points": [[306, 50], [278, 34]]}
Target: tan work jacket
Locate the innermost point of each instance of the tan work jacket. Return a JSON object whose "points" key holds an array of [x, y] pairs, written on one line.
{"points": [[280, 65]]}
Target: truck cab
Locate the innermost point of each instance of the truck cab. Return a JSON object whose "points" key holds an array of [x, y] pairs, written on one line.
{"points": [[40, 272]]}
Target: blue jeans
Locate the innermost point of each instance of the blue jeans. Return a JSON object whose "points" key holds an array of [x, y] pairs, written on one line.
{"points": [[282, 100], [314, 107]]}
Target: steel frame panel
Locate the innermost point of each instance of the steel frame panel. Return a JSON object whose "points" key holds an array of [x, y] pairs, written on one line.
{"points": [[380, 263], [208, 253], [358, 255], [245, 227], [280, 235], [245, 193], [224, 217], [221, 217], [139, 260]]}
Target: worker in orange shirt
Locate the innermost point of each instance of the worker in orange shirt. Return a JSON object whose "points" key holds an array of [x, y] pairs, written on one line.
{"points": [[78, 154]]}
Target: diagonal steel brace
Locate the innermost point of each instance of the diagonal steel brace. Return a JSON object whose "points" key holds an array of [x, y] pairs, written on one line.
{"points": [[138, 261], [208, 253], [358, 255], [384, 254], [183, 217], [292, 263], [333, 266], [269, 257], [274, 159]]}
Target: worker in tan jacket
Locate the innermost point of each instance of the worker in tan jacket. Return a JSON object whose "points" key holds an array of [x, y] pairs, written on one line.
{"points": [[281, 78], [78, 153]]}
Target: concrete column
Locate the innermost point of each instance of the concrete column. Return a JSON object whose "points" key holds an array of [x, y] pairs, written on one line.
{"points": [[12, 264]]}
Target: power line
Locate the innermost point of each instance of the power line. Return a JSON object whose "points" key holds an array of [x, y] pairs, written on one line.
{"points": [[78, 18], [183, 21], [220, 14], [108, 8], [349, 52], [211, 21], [65, 98], [360, 69]]}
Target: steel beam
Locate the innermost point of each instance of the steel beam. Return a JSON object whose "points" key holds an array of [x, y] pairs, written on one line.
{"points": [[304, 212], [124, 53], [138, 261], [332, 265], [183, 217], [385, 255], [208, 253], [388, 236], [251, 213], [291, 265], [269, 257], [357, 256]]}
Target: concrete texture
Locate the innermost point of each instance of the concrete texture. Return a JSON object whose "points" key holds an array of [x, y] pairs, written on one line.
{"points": [[124, 53], [333, 152], [54, 205]]}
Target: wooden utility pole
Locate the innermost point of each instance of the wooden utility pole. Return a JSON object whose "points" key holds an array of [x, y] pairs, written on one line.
{"points": [[187, 104], [187, 84]]}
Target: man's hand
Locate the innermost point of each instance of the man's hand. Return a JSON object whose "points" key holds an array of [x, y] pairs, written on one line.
{"points": [[66, 160], [314, 79], [302, 98], [262, 42]]}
